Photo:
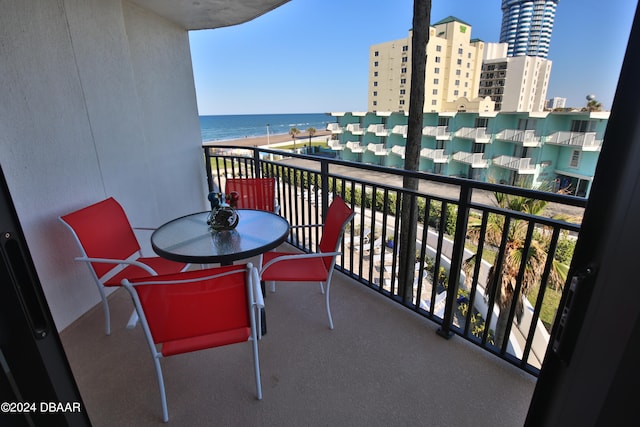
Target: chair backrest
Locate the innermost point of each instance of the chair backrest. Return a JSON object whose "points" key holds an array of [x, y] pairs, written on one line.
{"points": [[255, 193], [102, 230], [195, 303], [338, 216]]}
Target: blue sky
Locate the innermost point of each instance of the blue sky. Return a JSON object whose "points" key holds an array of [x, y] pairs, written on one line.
{"points": [[312, 56]]}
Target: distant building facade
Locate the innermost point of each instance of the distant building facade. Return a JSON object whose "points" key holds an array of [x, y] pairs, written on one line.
{"points": [[454, 63], [529, 149], [527, 26], [556, 102], [517, 83]]}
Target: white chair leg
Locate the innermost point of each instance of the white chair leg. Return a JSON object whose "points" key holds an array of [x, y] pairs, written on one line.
{"points": [[105, 307], [273, 286], [256, 365], [163, 396], [328, 306], [321, 288]]}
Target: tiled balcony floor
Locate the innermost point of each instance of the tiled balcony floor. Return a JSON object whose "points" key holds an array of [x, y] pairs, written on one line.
{"points": [[381, 366]]}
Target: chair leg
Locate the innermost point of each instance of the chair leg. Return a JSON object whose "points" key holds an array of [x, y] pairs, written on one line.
{"points": [[105, 307], [273, 287], [321, 288], [256, 365], [133, 320], [163, 396], [328, 306]]}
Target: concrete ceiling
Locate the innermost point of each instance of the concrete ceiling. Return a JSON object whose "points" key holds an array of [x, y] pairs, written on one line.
{"points": [[207, 14]]}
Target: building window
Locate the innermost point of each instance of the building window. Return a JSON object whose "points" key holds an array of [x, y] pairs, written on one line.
{"points": [[583, 126], [482, 122], [405, 48], [375, 93], [403, 81], [375, 74], [457, 83], [402, 91], [434, 102], [375, 64], [459, 61], [405, 59], [375, 103], [575, 159], [375, 53], [455, 93], [403, 70], [436, 70], [438, 48], [459, 51], [436, 81], [435, 91], [437, 59], [402, 102], [375, 84], [458, 72]]}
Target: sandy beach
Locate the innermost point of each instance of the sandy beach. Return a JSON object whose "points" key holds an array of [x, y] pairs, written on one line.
{"points": [[258, 141]]}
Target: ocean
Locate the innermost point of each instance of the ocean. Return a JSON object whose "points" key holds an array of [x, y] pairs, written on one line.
{"points": [[224, 128]]}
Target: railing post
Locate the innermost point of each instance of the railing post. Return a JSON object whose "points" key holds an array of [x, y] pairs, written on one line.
{"points": [[207, 165], [456, 261], [324, 180], [257, 162]]}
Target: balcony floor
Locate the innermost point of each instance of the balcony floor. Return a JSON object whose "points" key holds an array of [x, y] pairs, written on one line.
{"points": [[382, 365]]}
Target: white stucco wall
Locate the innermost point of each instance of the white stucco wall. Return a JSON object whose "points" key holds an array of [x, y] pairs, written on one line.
{"points": [[98, 100]]}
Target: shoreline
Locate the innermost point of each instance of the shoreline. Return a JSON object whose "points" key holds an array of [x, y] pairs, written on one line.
{"points": [[257, 141]]}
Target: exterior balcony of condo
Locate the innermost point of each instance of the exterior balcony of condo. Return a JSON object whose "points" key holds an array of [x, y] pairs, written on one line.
{"points": [[399, 150], [478, 135], [437, 156], [355, 129], [441, 133], [336, 145], [476, 160], [586, 141], [335, 128], [378, 149], [400, 130], [355, 146], [522, 166], [527, 138], [378, 129]]}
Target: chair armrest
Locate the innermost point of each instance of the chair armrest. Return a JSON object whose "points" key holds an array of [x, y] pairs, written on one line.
{"points": [[118, 262], [298, 256]]}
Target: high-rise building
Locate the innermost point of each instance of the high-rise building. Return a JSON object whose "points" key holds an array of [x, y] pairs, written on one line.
{"points": [[514, 83], [527, 26], [454, 62]]}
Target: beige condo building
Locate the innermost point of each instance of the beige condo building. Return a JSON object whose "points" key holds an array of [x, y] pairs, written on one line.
{"points": [[454, 65]]}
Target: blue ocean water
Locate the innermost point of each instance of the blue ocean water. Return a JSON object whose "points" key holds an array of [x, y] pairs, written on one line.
{"points": [[222, 128]]}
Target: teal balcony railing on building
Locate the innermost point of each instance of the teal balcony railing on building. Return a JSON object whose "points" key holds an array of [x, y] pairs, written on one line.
{"points": [[466, 269]]}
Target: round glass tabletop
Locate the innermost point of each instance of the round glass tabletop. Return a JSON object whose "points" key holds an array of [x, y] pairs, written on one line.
{"points": [[188, 238]]}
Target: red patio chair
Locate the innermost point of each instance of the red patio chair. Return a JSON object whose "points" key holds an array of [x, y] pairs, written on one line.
{"points": [[313, 267], [196, 310], [109, 247], [255, 193]]}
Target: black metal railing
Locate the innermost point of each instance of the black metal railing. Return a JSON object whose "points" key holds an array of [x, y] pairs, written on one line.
{"points": [[468, 273]]}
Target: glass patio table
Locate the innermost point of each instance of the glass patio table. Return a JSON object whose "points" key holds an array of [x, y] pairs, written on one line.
{"points": [[189, 239]]}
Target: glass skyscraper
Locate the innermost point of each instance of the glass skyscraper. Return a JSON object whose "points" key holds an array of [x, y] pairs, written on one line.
{"points": [[527, 26]]}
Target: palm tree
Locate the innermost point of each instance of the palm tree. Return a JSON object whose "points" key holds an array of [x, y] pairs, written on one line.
{"points": [[311, 131], [294, 131], [504, 286]]}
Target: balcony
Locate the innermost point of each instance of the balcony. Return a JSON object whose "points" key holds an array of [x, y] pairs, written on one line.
{"points": [[439, 132], [400, 130], [478, 135], [476, 160], [521, 165], [336, 145], [387, 361], [586, 141], [355, 146], [378, 149], [527, 138], [334, 128], [378, 130], [437, 156], [398, 150], [355, 129]]}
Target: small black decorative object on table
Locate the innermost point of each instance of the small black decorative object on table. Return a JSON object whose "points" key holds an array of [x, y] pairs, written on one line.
{"points": [[223, 215]]}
